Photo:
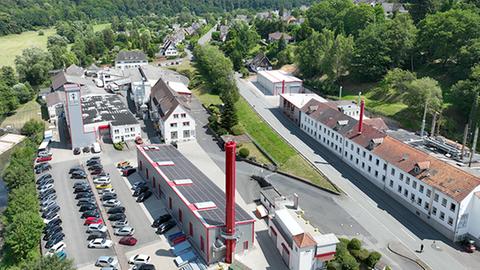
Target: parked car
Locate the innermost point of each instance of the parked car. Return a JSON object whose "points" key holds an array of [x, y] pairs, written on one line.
{"points": [[46, 193], [44, 188], [124, 231], [82, 189], [166, 226], [52, 232], [43, 177], [128, 241], [126, 167], [76, 169], [62, 255], [54, 239], [85, 208], [123, 163], [100, 243], [139, 190], [56, 248], [145, 266], [103, 261], [52, 223], [92, 203], [47, 204], [92, 220], [45, 181], [50, 229], [143, 196], [54, 208], [87, 200], [41, 167], [76, 151], [95, 235], [138, 184], [138, 140], [90, 213], [43, 159], [84, 195], [469, 245], [116, 210], [80, 183], [44, 154], [117, 217], [106, 190], [161, 219], [111, 203], [128, 172], [47, 199], [108, 196], [139, 259], [103, 186], [94, 158], [102, 180], [78, 175], [95, 167], [97, 172], [96, 228], [86, 149], [93, 162], [119, 223]]}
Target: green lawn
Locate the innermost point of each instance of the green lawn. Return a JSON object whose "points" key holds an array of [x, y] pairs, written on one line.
{"points": [[13, 45], [100, 27], [379, 106], [27, 111], [287, 158]]}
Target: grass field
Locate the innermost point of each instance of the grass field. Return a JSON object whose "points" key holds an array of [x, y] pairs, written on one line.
{"points": [[13, 45], [29, 110], [287, 158]]}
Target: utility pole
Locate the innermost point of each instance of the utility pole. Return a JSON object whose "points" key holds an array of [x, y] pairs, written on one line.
{"points": [[359, 98], [465, 135], [422, 131], [434, 122], [474, 145], [340, 93], [474, 122]]}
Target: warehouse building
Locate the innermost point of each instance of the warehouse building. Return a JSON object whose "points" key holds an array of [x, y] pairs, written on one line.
{"points": [[201, 208], [276, 82]]}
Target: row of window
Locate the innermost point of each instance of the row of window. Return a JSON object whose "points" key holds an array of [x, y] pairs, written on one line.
{"points": [[185, 124], [182, 115], [117, 131], [174, 134]]}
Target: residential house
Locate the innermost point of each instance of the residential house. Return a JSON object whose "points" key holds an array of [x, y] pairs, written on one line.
{"points": [[130, 59], [169, 49], [276, 36], [223, 32], [259, 62], [170, 112]]}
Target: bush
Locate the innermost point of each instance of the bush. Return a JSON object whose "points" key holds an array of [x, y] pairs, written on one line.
{"points": [[354, 244], [118, 146], [221, 131], [360, 254], [41, 33], [244, 152], [238, 130], [373, 258], [34, 129], [244, 72]]}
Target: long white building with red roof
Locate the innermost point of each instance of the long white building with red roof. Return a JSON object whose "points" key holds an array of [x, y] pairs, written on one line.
{"points": [[443, 195]]}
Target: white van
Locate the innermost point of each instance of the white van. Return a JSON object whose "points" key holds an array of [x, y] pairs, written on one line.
{"points": [[96, 148]]}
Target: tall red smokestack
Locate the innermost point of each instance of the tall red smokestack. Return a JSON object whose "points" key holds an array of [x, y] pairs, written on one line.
{"points": [[230, 148], [360, 122]]}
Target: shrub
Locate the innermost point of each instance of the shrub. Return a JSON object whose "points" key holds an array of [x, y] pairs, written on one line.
{"points": [[221, 131], [41, 33], [244, 152], [360, 254], [373, 258], [238, 130], [118, 146], [244, 72], [349, 263], [354, 244]]}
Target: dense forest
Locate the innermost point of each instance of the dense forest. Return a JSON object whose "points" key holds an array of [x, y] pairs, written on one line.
{"points": [[20, 15]]}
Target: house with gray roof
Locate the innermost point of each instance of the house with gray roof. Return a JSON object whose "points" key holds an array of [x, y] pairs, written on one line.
{"points": [[130, 59]]}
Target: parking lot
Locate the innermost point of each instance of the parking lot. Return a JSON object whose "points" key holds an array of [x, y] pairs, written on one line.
{"points": [[138, 215]]}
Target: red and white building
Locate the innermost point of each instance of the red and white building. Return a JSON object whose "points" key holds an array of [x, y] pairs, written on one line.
{"points": [[277, 82]]}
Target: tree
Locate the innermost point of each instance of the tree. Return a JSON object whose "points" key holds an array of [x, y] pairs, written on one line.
{"points": [[465, 91], [22, 236], [34, 129], [358, 17], [395, 84], [8, 76], [337, 58], [400, 35], [443, 33], [373, 258], [108, 38], [424, 91], [23, 92], [21, 199], [49, 263], [229, 113], [354, 244], [310, 53], [303, 32], [145, 39], [328, 14], [57, 40], [469, 55], [8, 100], [33, 66]]}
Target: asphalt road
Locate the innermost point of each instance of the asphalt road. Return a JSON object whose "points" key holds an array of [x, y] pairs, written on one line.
{"points": [[206, 38], [380, 220]]}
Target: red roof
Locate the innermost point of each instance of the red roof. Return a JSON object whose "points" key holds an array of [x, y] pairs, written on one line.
{"points": [[304, 240]]}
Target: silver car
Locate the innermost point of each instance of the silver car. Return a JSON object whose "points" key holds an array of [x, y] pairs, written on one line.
{"points": [[111, 203], [124, 231], [120, 223]]}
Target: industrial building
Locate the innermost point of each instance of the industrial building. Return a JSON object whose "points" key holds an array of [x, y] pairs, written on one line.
{"points": [[300, 244], [91, 117], [131, 59], [445, 196], [277, 82], [216, 226], [170, 111]]}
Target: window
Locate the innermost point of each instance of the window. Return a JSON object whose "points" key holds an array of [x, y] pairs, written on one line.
{"points": [[202, 244], [186, 133], [116, 131], [127, 130], [369, 157], [186, 124], [363, 165], [173, 125], [170, 202], [351, 156], [245, 245], [419, 201], [405, 192], [358, 150], [412, 197], [442, 215], [421, 188], [184, 115], [175, 116], [132, 129], [414, 184], [356, 160], [363, 154], [391, 183], [180, 215], [401, 176], [452, 207], [383, 178], [140, 165], [450, 221], [173, 135], [190, 229], [385, 167], [429, 193], [399, 189], [376, 173], [434, 211], [444, 202], [407, 181], [426, 205], [346, 144], [369, 169], [435, 197]]}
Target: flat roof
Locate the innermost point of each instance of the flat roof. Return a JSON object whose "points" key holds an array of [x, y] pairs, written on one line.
{"points": [[277, 76], [201, 190], [179, 87], [291, 225], [106, 108], [299, 99]]}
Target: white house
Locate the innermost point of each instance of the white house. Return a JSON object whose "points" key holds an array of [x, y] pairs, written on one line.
{"points": [[169, 49], [124, 132], [444, 196], [277, 82], [130, 59], [170, 111], [54, 102]]}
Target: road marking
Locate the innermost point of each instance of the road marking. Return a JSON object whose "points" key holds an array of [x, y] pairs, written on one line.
{"points": [[406, 232]]}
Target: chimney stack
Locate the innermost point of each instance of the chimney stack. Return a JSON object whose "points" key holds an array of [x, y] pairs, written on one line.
{"points": [[230, 150], [360, 121]]}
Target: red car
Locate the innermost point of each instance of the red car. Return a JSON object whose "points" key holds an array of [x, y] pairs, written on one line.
{"points": [[43, 159], [128, 241], [128, 171], [93, 220], [179, 239], [138, 140]]}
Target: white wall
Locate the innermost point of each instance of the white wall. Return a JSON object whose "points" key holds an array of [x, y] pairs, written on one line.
{"points": [[469, 216], [127, 132], [175, 123], [129, 64]]}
